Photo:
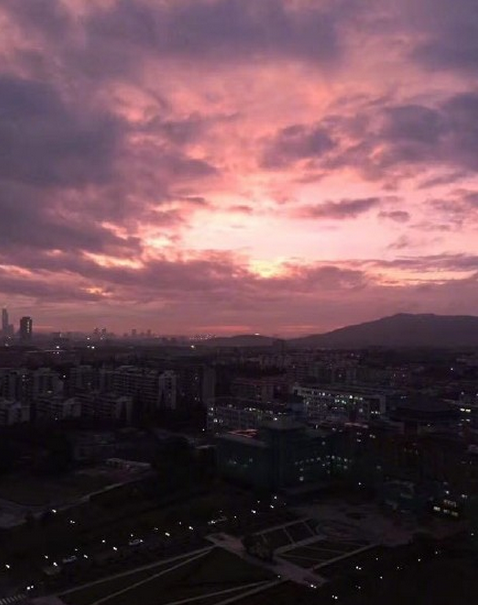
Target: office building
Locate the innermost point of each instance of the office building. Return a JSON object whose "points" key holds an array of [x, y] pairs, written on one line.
{"points": [[167, 390], [5, 322], [195, 384], [281, 454], [26, 329]]}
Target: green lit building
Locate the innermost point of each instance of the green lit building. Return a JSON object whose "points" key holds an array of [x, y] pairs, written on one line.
{"points": [[280, 454]]}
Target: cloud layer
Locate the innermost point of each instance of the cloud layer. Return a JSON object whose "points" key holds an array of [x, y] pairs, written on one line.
{"points": [[283, 166]]}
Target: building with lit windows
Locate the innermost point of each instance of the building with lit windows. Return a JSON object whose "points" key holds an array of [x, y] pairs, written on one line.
{"points": [[26, 329], [467, 412], [280, 454], [354, 403], [231, 413]]}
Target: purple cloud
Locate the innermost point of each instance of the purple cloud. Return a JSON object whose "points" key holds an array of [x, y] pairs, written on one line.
{"points": [[399, 216], [342, 210]]}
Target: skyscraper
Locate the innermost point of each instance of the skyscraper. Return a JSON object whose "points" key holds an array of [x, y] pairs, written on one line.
{"points": [[5, 324], [26, 329]]}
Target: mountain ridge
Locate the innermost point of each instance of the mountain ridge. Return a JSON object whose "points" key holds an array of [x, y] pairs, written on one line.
{"points": [[398, 330]]}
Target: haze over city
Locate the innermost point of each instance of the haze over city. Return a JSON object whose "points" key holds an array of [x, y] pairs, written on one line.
{"points": [[237, 166]]}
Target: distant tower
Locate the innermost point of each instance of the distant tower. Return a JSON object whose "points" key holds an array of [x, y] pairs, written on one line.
{"points": [[5, 324], [26, 329]]}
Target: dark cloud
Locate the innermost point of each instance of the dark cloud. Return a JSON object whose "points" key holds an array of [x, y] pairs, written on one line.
{"points": [[329, 277], [47, 142], [219, 29], [189, 129], [345, 209], [117, 39], [384, 140], [447, 134], [223, 289], [45, 289], [51, 16], [297, 142], [401, 243], [432, 263], [448, 33], [30, 219], [242, 209], [65, 168], [458, 209], [399, 216], [196, 200], [213, 277], [444, 179], [413, 123], [102, 138]]}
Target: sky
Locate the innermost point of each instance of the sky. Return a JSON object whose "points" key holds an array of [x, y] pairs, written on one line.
{"points": [[230, 166]]}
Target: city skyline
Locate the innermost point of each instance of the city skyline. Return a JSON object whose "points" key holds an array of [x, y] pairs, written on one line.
{"points": [[233, 166]]}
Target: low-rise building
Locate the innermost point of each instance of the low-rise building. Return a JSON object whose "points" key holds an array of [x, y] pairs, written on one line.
{"points": [[13, 412]]}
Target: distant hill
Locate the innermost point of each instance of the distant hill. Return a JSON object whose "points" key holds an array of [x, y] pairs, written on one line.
{"points": [[402, 330], [242, 340]]}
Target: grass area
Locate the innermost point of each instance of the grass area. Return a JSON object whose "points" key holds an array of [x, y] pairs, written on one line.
{"points": [[216, 571], [433, 582], [102, 589], [341, 547], [320, 552], [285, 593], [131, 514], [30, 490], [277, 538], [299, 531], [313, 526]]}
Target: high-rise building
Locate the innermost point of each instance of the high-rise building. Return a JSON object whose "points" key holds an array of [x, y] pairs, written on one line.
{"points": [[167, 386], [26, 329], [5, 324]]}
